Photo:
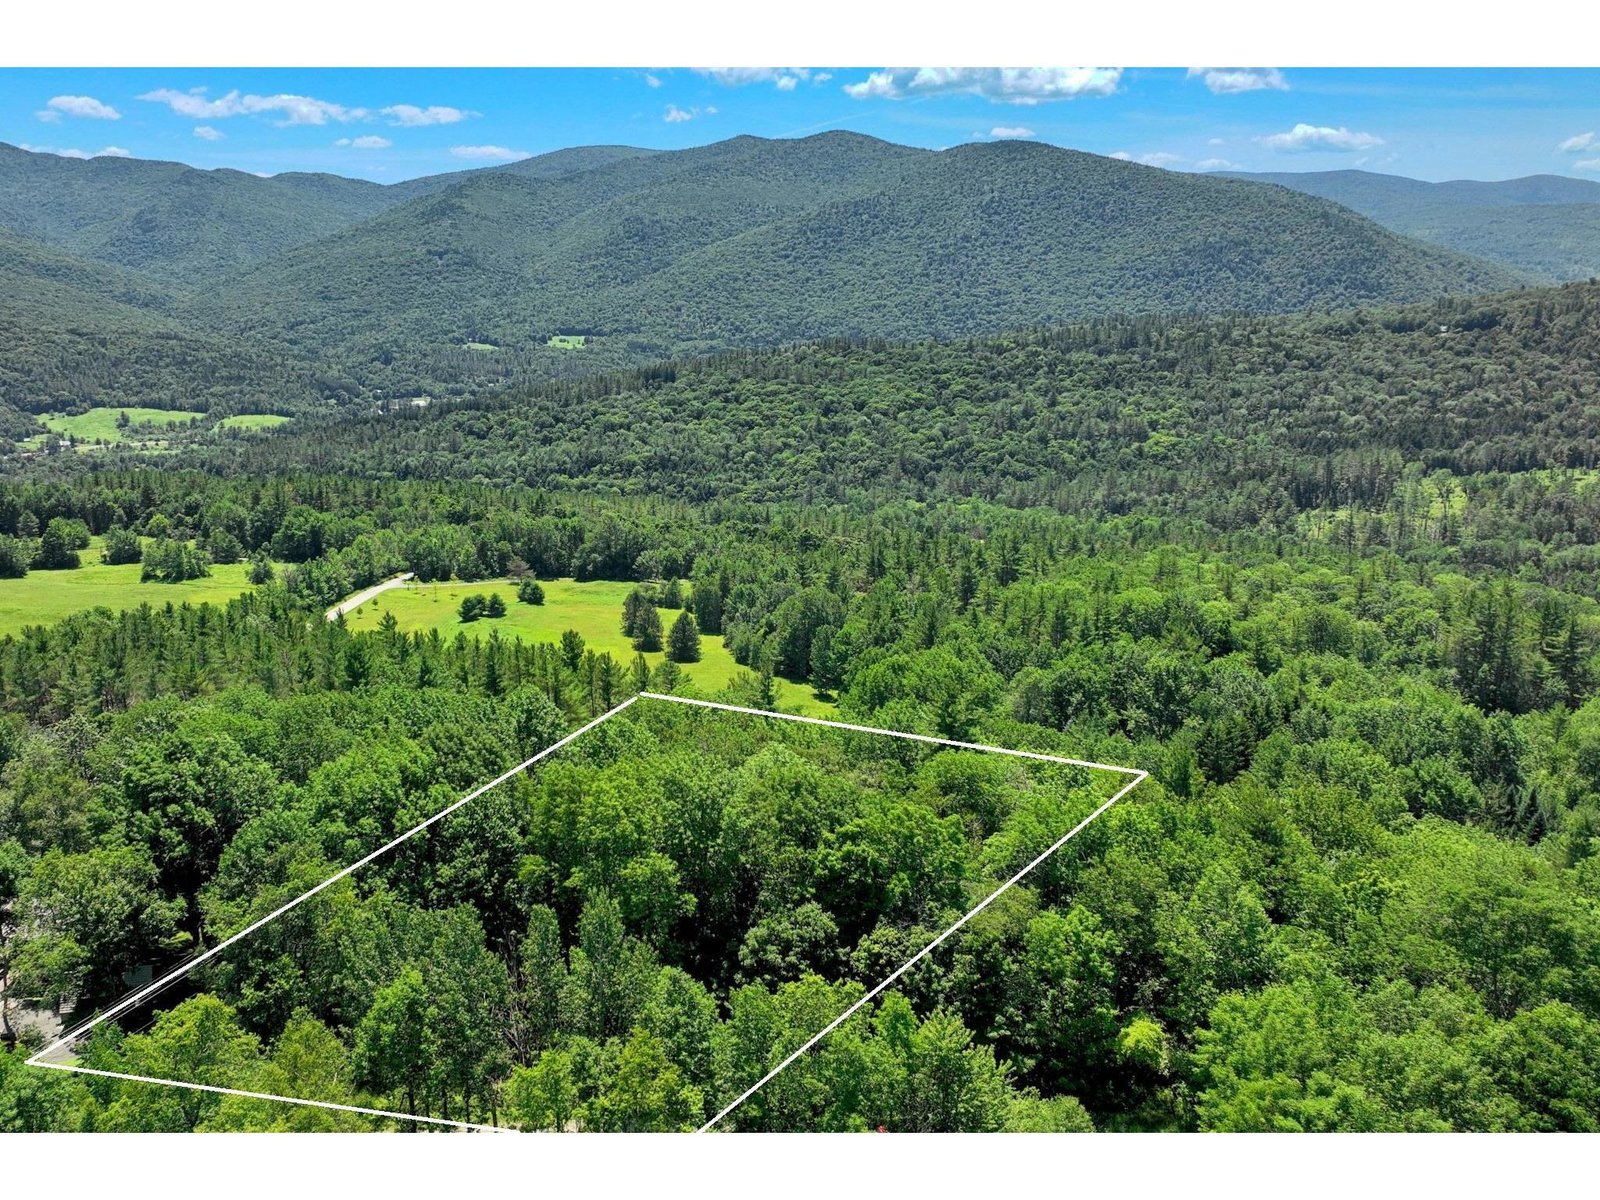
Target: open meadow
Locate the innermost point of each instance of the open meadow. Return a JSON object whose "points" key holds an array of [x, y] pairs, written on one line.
{"points": [[593, 609], [100, 424], [45, 597]]}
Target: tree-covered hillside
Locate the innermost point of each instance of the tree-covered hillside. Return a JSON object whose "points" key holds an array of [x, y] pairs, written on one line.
{"points": [[188, 226], [758, 242], [452, 284], [1236, 417], [1547, 226]]}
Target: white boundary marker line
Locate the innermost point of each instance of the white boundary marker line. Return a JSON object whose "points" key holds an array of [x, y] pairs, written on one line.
{"points": [[1138, 778], [206, 1087], [184, 968]]}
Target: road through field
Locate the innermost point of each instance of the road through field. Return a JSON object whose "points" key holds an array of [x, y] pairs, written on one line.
{"points": [[351, 603]]}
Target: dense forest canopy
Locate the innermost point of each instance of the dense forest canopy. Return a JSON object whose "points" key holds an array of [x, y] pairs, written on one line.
{"points": [[1295, 514], [1358, 891]]}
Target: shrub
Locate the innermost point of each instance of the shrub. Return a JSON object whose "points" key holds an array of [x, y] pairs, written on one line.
{"points": [[122, 546]]}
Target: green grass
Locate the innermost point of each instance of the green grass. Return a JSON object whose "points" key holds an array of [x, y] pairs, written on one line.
{"points": [[253, 421], [567, 341], [100, 424], [44, 597], [593, 609], [485, 346]]}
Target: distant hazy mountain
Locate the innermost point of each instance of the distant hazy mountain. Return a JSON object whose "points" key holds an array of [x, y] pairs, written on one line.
{"points": [[458, 281], [176, 222], [1545, 225]]}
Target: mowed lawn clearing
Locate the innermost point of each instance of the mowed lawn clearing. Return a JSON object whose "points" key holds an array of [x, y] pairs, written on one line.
{"points": [[44, 597], [593, 609], [253, 421], [100, 424]]}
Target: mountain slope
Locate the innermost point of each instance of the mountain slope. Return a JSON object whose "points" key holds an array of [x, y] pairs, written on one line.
{"points": [[1322, 409], [755, 242], [1547, 225], [459, 282], [186, 226]]}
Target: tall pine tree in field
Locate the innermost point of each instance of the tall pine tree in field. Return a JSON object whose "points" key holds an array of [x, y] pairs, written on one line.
{"points": [[683, 643], [647, 628]]}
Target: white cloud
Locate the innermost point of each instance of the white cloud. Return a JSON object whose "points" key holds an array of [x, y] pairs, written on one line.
{"points": [[1154, 158], [1587, 164], [370, 141], [1011, 131], [290, 108], [106, 152], [1216, 141], [1010, 85], [206, 133], [822, 77], [1227, 81], [652, 81], [1578, 143], [497, 153], [77, 106], [1320, 137], [674, 114], [434, 114], [783, 78], [1216, 164]]}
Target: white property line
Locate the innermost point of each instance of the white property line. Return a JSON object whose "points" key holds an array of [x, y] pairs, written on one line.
{"points": [[183, 969], [1138, 778]]}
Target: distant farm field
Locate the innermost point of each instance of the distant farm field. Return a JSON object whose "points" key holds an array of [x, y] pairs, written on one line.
{"points": [[45, 597], [253, 421], [593, 609], [485, 346], [567, 341], [100, 424]]}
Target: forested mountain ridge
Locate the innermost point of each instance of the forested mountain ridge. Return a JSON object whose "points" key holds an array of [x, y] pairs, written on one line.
{"points": [[456, 283], [1546, 225], [753, 242], [1159, 413], [188, 226]]}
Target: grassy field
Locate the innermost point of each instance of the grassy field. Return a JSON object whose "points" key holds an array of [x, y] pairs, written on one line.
{"points": [[593, 609], [100, 424], [485, 346], [253, 421], [567, 341], [44, 597]]}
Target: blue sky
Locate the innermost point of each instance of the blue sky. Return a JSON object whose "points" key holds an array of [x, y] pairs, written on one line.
{"points": [[392, 124]]}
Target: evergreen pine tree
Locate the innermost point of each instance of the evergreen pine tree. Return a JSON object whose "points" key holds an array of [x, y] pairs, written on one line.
{"points": [[683, 643], [647, 628]]}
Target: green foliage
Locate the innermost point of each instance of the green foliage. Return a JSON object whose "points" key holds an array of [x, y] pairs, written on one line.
{"points": [[683, 643], [168, 560], [121, 546]]}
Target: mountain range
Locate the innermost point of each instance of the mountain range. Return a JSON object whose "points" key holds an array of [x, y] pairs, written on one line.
{"points": [[302, 290], [1547, 226]]}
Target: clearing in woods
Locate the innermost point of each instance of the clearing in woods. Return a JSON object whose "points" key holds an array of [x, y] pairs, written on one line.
{"points": [[45, 597], [100, 424], [593, 609]]}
